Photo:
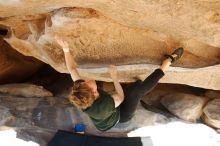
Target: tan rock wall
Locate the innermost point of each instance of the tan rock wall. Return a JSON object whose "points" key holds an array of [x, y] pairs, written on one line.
{"points": [[121, 32], [197, 19], [15, 67]]}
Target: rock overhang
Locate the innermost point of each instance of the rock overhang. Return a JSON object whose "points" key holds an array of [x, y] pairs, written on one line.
{"points": [[134, 36]]}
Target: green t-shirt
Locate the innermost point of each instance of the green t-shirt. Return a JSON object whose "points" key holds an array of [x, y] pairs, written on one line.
{"points": [[103, 113]]}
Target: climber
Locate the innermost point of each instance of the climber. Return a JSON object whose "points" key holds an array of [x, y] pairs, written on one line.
{"points": [[105, 109]]}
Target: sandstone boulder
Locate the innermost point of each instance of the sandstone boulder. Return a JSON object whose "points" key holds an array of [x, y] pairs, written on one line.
{"points": [[15, 67], [133, 35], [211, 114], [161, 90], [185, 106], [25, 90]]}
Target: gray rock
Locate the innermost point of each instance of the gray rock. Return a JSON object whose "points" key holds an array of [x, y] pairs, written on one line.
{"points": [[211, 114], [5, 115], [186, 106], [25, 90], [40, 136], [47, 112]]}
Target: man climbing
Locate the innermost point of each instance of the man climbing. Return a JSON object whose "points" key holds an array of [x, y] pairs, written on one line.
{"points": [[105, 109]]}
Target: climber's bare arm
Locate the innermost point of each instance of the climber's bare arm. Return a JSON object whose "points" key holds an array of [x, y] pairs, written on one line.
{"points": [[70, 64], [119, 95]]}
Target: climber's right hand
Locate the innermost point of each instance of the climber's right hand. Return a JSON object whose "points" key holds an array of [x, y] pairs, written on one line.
{"points": [[62, 43]]}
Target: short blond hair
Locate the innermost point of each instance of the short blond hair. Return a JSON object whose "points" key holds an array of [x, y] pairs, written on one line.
{"points": [[81, 95]]}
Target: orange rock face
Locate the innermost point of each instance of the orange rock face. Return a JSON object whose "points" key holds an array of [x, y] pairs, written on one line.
{"points": [[15, 67], [133, 35]]}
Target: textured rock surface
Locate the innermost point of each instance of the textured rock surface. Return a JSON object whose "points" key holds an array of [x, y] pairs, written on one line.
{"points": [[25, 90], [120, 32], [37, 119], [212, 112], [161, 90], [15, 67], [212, 94], [5, 115], [186, 106]]}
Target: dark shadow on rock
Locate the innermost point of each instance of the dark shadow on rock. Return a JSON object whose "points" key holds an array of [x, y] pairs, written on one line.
{"points": [[50, 79], [151, 108]]}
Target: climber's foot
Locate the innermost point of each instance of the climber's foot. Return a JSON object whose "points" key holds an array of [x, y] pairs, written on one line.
{"points": [[175, 55]]}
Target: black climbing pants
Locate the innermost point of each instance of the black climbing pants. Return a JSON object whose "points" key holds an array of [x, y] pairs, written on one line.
{"points": [[135, 92]]}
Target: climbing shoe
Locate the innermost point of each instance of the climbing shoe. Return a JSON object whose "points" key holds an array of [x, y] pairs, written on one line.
{"points": [[178, 52]]}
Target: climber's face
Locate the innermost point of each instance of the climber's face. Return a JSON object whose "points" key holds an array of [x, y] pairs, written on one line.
{"points": [[93, 86]]}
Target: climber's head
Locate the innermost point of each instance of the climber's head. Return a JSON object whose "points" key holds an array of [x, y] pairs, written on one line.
{"points": [[84, 93]]}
